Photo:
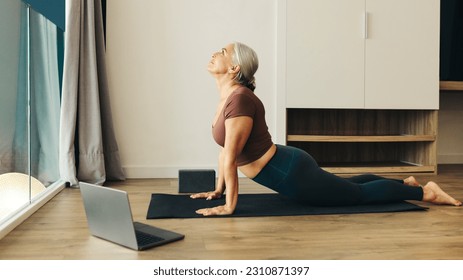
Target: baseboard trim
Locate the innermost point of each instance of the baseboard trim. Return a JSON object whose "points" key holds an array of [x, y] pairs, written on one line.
{"points": [[450, 159], [161, 172], [148, 172]]}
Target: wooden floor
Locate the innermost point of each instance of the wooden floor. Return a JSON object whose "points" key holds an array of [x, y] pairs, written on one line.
{"points": [[59, 231]]}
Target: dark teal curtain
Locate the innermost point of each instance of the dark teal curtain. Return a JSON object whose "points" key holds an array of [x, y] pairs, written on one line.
{"points": [[53, 10], [44, 100], [451, 48]]}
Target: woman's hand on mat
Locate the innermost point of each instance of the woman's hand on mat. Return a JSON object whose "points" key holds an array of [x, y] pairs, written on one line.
{"points": [[207, 195], [219, 210]]}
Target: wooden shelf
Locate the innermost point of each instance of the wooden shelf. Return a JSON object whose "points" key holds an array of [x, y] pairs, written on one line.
{"points": [[356, 141], [386, 169], [376, 138], [451, 85]]}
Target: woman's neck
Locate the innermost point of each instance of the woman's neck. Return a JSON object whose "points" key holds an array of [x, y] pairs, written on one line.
{"points": [[226, 88]]}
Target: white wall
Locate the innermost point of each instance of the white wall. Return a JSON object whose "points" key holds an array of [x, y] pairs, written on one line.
{"points": [[162, 97]]}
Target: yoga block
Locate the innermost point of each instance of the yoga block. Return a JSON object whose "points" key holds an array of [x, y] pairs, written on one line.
{"points": [[196, 180]]}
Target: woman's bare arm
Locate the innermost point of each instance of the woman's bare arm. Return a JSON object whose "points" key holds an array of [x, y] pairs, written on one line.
{"points": [[237, 131]]}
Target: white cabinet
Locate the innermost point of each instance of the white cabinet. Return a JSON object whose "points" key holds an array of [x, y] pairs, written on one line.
{"points": [[325, 54], [362, 83], [372, 54]]}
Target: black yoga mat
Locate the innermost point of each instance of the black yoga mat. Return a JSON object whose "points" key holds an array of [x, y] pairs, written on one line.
{"points": [[253, 205]]}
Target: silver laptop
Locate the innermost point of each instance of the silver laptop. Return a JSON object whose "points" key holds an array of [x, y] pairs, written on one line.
{"points": [[109, 217]]}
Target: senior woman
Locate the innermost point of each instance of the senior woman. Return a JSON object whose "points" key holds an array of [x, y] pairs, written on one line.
{"points": [[240, 128]]}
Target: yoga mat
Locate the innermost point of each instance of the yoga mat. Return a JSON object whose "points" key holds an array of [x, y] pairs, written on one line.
{"points": [[253, 205]]}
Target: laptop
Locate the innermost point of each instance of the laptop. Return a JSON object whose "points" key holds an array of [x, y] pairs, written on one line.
{"points": [[109, 217]]}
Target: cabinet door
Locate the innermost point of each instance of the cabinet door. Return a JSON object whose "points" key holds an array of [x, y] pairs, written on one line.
{"points": [[325, 54], [402, 54]]}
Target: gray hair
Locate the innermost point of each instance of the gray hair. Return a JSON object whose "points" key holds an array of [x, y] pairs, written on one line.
{"points": [[247, 59]]}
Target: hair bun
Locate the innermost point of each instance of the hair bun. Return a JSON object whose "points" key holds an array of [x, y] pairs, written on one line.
{"points": [[251, 84]]}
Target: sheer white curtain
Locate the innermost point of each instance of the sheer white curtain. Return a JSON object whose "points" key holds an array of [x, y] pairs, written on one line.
{"points": [[88, 148]]}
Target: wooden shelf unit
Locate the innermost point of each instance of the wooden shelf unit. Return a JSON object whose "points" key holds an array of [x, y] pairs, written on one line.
{"points": [[353, 141], [347, 139], [451, 85]]}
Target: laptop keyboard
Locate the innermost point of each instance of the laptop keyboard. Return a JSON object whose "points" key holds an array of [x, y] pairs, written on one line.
{"points": [[146, 238]]}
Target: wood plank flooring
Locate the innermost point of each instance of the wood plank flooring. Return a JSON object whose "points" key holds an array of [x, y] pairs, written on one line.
{"points": [[59, 231]]}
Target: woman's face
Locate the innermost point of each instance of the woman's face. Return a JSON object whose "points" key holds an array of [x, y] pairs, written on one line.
{"points": [[221, 61]]}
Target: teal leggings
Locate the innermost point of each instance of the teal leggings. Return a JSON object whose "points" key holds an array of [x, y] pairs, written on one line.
{"points": [[292, 172]]}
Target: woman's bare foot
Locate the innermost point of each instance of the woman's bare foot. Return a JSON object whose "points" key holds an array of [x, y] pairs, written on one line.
{"points": [[434, 194], [411, 181]]}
